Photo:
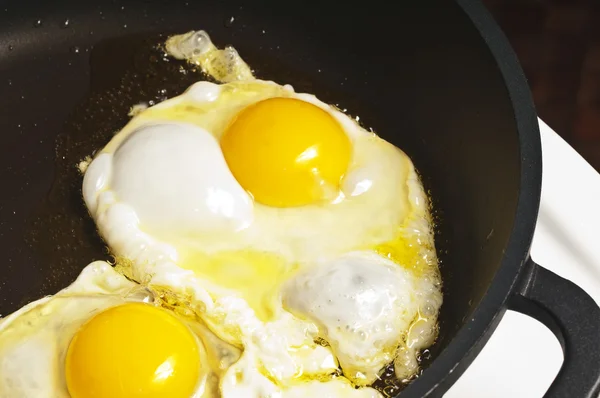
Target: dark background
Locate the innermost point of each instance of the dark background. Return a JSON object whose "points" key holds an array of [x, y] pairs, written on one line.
{"points": [[558, 44]]}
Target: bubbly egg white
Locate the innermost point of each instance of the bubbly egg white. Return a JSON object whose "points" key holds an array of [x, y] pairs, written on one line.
{"points": [[360, 301], [224, 65]]}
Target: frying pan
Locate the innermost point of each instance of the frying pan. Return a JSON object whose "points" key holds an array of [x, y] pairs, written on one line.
{"points": [[436, 78]]}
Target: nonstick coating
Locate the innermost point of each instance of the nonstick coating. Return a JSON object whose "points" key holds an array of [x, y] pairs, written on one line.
{"points": [[423, 78]]}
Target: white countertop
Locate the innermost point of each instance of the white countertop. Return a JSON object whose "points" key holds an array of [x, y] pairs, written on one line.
{"points": [[522, 357]]}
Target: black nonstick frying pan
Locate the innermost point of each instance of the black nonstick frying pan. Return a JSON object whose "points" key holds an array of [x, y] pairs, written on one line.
{"points": [[436, 78]]}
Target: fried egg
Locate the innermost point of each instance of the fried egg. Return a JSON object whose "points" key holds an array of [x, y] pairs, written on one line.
{"points": [[245, 200], [101, 337]]}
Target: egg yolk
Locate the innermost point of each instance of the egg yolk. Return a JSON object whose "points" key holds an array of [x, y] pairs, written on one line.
{"points": [[286, 152], [133, 350]]}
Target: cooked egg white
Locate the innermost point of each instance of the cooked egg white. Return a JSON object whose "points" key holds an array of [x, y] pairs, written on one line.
{"points": [[224, 65], [360, 301]]}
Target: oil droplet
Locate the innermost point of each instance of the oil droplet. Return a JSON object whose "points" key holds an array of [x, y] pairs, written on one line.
{"points": [[65, 24], [125, 26], [229, 22], [37, 23], [10, 47], [426, 354], [122, 8]]}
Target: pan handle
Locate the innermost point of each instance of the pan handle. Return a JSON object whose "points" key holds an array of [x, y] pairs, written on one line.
{"points": [[574, 318]]}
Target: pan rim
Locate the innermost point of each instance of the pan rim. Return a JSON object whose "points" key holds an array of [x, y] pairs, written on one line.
{"points": [[470, 339]]}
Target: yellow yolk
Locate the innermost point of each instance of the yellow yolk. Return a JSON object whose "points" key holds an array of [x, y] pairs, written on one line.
{"points": [[286, 152], [133, 350]]}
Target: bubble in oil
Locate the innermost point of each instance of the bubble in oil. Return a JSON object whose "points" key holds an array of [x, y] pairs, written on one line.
{"points": [[65, 24], [199, 42], [11, 47], [37, 23], [229, 22], [75, 50]]}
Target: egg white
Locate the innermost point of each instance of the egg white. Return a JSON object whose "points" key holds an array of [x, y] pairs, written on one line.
{"points": [[361, 301]]}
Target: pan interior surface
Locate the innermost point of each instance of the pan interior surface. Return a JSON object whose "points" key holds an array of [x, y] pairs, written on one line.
{"points": [[423, 79]]}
